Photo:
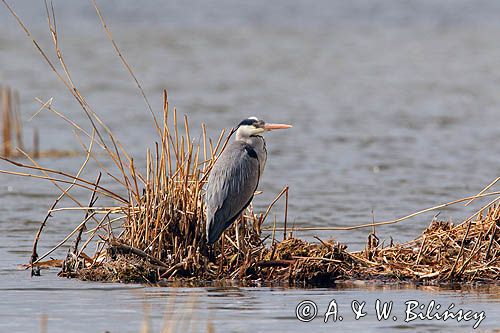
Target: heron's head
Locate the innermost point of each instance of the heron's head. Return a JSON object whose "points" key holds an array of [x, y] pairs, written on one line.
{"points": [[253, 126]]}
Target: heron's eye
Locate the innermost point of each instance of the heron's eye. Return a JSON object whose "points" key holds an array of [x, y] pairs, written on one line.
{"points": [[259, 124]]}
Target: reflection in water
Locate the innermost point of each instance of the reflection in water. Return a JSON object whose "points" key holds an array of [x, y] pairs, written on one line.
{"points": [[394, 107]]}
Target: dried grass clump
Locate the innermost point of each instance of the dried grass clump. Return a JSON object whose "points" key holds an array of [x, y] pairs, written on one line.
{"points": [[444, 252], [123, 268], [308, 263]]}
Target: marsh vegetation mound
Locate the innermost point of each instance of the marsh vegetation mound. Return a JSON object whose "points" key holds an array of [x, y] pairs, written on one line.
{"points": [[444, 253], [156, 233]]}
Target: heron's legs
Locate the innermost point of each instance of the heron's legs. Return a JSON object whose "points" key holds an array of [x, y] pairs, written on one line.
{"points": [[221, 261], [243, 223], [238, 235], [243, 232], [211, 253]]}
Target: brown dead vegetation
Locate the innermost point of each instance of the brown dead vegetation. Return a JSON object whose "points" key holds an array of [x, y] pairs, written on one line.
{"points": [[155, 229]]}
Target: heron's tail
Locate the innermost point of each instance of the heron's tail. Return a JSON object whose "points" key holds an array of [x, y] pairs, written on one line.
{"points": [[214, 231], [216, 227]]}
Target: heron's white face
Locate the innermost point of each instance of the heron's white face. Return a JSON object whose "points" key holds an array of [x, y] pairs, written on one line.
{"points": [[249, 127], [249, 130]]}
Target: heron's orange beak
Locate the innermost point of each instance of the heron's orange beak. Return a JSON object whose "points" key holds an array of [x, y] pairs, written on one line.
{"points": [[270, 127]]}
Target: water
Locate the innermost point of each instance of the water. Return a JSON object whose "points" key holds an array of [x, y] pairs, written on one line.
{"points": [[394, 107]]}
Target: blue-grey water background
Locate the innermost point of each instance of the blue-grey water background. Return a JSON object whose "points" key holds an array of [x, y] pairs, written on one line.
{"points": [[394, 106]]}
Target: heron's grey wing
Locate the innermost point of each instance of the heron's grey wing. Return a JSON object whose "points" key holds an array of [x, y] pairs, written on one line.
{"points": [[231, 186]]}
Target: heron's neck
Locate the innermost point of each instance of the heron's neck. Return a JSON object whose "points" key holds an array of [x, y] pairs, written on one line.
{"points": [[253, 140], [258, 144]]}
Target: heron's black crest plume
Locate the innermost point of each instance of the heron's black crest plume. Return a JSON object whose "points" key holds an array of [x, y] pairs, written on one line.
{"points": [[249, 122]]}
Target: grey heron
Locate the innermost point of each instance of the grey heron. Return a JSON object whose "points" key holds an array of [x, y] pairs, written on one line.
{"points": [[235, 176]]}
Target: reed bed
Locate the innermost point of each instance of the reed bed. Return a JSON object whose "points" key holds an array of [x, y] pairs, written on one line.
{"points": [[154, 230], [12, 129], [12, 144]]}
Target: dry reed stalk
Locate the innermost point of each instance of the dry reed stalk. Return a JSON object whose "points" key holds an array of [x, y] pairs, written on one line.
{"points": [[18, 125], [12, 131], [6, 118]]}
